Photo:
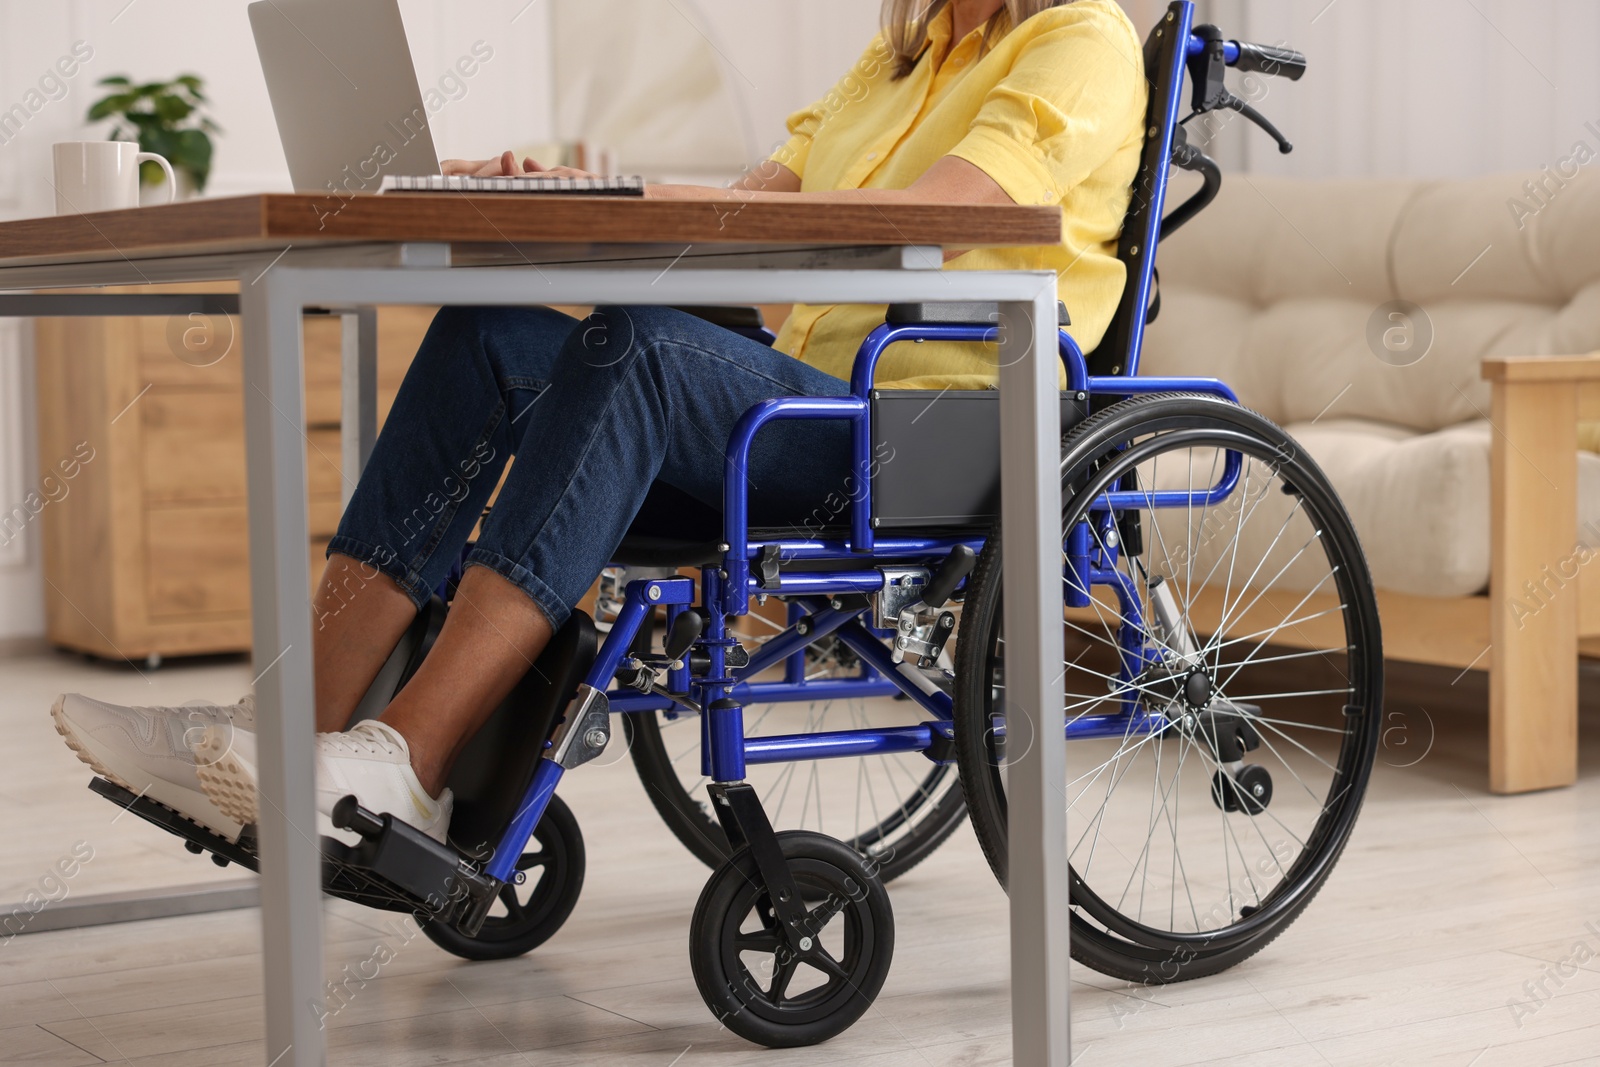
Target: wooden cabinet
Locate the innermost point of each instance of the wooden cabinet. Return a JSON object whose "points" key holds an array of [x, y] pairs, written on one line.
{"points": [[145, 543]]}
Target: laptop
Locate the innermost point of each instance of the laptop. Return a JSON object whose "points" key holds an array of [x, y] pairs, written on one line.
{"points": [[344, 92], [350, 113]]}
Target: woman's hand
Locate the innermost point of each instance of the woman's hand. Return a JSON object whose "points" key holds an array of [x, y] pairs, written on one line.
{"points": [[505, 166], [499, 167]]}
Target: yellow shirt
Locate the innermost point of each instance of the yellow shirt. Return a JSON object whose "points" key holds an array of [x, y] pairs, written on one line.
{"points": [[1053, 112]]}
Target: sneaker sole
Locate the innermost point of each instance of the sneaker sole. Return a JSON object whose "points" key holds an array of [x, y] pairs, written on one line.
{"points": [[197, 807], [230, 783]]}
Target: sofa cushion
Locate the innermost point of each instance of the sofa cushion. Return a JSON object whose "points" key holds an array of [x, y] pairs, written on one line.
{"points": [[1277, 290], [1420, 502], [1276, 287]]}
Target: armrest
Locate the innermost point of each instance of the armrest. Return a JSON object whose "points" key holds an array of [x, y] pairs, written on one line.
{"points": [[1542, 369], [1534, 617]]}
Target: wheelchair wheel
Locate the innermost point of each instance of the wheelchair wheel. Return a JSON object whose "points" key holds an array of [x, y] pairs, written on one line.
{"points": [[895, 809], [1218, 754], [769, 993], [527, 915]]}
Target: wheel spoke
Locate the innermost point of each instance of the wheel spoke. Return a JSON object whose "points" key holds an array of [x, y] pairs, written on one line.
{"points": [[764, 941], [818, 918], [784, 964], [823, 961], [514, 909]]}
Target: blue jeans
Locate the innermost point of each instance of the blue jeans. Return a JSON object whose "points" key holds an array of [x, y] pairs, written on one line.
{"points": [[629, 403]]}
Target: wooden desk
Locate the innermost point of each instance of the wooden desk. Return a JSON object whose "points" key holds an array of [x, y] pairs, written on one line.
{"points": [[288, 253], [489, 229]]}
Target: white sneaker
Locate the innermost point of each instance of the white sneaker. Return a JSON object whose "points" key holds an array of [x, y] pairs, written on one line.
{"points": [[371, 761], [146, 749]]}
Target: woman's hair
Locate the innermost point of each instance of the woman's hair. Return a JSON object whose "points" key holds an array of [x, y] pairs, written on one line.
{"points": [[905, 25]]}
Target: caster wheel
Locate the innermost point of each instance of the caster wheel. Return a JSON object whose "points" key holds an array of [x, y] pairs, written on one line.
{"points": [[527, 915], [780, 995], [1249, 791]]}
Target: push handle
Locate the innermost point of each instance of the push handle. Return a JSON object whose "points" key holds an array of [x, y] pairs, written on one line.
{"points": [[1270, 60]]}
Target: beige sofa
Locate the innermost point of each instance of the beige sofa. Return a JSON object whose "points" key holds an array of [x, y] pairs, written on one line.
{"points": [[1458, 459]]}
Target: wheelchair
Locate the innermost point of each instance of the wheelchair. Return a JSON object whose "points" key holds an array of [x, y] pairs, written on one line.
{"points": [[1218, 615]]}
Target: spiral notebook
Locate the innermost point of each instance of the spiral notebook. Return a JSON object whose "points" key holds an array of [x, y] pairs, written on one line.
{"points": [[402, 183]]}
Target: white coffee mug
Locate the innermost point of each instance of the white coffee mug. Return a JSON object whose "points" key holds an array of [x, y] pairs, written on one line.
{"points": [[103, 176]]}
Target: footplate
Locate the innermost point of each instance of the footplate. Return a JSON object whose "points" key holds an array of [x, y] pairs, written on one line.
{"points": [[196, 838], [395, 867]]}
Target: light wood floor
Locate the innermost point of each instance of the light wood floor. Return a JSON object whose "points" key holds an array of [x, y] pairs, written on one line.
{"points": [[1448, 907]]}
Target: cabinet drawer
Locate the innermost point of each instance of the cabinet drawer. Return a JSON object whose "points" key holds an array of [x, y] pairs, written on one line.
{"points": [[200, 352], [322, 461], [197, 560], [324, 361], [190, 350], [193, 445], [400, 334], [194, 449], [197, 351]]}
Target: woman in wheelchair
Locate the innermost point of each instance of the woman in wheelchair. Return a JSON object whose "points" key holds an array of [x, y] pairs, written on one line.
{"points": [[1220, 628], [986, 101]]}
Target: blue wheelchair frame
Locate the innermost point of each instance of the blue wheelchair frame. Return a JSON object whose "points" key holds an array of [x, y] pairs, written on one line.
{"points": [[726, 587]]}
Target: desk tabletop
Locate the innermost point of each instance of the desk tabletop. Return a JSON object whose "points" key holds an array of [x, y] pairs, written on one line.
{"points": [[268, 222]]}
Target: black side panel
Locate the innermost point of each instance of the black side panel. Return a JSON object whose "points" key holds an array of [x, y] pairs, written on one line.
{"points": [[938, 457], [497, 765], [956, 314], [728, 317]]}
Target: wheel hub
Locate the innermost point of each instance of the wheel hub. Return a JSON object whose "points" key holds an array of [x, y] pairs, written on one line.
{"points": [[1197, 690]]}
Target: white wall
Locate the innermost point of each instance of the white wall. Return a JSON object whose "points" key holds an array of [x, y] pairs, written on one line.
{"points": [[507, 101], [1423, 88], [696, 89]]}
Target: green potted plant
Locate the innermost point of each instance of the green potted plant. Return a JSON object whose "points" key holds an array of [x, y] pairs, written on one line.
{"points": [[167, 118]]}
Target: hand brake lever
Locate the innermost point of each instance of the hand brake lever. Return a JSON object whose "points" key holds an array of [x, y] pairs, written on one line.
{"points": [[1233, 103]]}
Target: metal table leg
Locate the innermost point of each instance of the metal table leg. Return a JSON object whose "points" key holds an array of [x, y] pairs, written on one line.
{"points": [[1036, 785], [291, 881], [358, 423]]}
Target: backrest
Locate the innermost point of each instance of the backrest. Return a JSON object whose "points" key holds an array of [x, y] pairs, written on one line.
{"points": [[1282, 289], [1165, 54]]}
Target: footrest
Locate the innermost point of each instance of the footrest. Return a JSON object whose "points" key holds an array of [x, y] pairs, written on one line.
{"points": [[434, 875], [196, 838], [396, 867]]}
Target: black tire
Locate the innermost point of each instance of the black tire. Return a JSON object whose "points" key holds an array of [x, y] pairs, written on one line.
{"points": [[527, 915], [896, 832], [852, 903], [1102, 453]]}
